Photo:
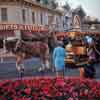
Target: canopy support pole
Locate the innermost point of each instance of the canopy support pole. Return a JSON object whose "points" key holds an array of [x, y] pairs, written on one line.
{"points": [[4, 50]]}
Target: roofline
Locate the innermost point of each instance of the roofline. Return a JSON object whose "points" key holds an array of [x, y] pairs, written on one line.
{"points": [[44, 6]]}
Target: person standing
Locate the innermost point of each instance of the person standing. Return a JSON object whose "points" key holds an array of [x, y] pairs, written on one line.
{"points": [[90, 70], [58, 59]]}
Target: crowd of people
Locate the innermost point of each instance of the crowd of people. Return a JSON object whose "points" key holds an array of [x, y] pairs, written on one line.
{"points": [[59, 55]]}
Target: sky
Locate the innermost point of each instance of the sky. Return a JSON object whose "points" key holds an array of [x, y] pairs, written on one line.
{"points": [[91, 7]]}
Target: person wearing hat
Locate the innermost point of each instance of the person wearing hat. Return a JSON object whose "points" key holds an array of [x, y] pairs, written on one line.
{"points": [[58, 59]]}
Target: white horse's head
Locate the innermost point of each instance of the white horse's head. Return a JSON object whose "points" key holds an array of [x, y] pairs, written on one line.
{"points": [[17, 45]]}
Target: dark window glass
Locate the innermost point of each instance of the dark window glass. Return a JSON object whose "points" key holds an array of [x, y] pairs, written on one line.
{"points": [[41, 17], [4, 16], [33, 17], [23, 15]]}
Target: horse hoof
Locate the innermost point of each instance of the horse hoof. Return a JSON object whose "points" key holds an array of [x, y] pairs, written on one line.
{"points": [[53, 70], [40, 69], [22, 69], [18, 68], [48, 69]]}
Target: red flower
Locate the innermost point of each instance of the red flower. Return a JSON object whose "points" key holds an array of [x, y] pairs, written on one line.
{"points": [[46, 90], [27, 91], [40, 88], [71, 98], [86, 91]]}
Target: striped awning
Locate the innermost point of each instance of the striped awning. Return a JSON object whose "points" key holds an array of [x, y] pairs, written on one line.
{"points": [[33, 35], [28, 35], [40, 34]]}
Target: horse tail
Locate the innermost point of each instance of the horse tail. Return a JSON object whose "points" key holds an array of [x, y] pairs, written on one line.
{"points": [[48, 58], [47, 49]]}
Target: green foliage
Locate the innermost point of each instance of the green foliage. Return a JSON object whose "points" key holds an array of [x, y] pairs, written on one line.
{"points": [[66, 6], [54, 4], [45, 2]]}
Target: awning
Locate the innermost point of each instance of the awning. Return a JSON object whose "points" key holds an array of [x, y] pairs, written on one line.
{"points": [[6, 33], [62, 34], [41, 34], [11, 38], [28, 35]]}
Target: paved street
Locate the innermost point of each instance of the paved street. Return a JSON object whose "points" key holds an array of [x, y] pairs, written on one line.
{"points": [[8, 69]]}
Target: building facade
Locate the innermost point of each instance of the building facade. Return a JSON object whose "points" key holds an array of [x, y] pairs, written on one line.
{"points": [[27, 12], [27, 15]]}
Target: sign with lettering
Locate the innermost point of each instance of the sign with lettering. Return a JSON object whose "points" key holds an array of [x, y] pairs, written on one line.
{"points": [[23, 27]]}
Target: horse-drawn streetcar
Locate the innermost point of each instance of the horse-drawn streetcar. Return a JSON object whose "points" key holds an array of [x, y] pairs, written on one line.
{"points": [[78, 52]]}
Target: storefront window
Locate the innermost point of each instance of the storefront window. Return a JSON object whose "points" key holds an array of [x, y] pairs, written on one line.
{"points": [[1, 43]]}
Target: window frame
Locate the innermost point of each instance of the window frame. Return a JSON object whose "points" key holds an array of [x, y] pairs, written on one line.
{"points": [[4, 14], [24, 15], [41, 18], [33, 17]]}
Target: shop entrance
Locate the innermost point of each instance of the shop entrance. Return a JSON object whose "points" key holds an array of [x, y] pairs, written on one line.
{"points": [[1, 43]]}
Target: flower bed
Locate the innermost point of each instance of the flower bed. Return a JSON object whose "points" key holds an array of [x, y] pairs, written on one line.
{"points": [[50, 89]]}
